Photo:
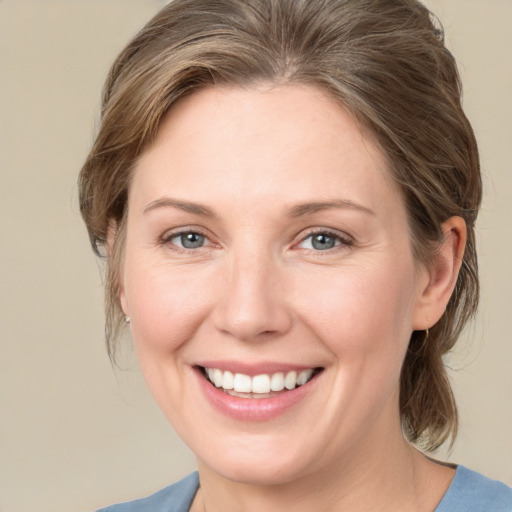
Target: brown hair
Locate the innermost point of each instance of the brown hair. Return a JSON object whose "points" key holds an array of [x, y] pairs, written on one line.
{"points": [[384, 60]]}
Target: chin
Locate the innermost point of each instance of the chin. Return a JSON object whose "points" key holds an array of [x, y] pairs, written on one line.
{"points": [[267, 472], [270, 463]]}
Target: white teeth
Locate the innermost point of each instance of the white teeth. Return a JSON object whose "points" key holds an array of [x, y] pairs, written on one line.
{"points": [[277, 382], [259, 384], [290, 380], [303, 377], [228, 380], [217, 377], [242, 383]]}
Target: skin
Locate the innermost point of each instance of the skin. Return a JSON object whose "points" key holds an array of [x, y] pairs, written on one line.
{"points": [[257, 290]]}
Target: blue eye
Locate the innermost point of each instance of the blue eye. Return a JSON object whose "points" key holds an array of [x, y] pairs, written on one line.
{"points": [[323, 241], [189, 240]]}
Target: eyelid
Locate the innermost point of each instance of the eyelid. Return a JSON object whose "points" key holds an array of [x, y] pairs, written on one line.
{"points": [[174, 232], [344, 239]]}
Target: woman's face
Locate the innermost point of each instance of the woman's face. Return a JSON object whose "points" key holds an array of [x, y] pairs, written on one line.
{"points": [[265, 236]]}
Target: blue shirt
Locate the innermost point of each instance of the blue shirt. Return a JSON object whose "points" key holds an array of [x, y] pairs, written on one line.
{"points": [[468, 492]]}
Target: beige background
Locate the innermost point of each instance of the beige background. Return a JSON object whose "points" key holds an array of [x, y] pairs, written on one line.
{"points": [[74, 435]]}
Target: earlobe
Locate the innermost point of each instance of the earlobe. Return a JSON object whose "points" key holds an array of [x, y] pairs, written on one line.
{"points": [[442, 275]]}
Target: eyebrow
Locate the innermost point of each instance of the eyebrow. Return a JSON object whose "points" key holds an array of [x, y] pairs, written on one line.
{"points": [[308, 208], [296, 211], [186, 206]]}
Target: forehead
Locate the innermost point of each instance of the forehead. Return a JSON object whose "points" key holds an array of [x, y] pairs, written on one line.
{"points": [[230, 112], [281, 142]]}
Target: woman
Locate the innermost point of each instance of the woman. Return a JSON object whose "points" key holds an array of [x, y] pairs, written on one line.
{"points": [[286, 191]]}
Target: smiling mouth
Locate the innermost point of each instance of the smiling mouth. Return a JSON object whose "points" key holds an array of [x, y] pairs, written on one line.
{"points": [[258, 386]]}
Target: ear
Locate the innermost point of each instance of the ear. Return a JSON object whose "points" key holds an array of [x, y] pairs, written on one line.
{"points": [[114, 257], [441, 277]]}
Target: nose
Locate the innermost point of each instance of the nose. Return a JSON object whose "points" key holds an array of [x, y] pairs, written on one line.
{"points": [[253, 305]]}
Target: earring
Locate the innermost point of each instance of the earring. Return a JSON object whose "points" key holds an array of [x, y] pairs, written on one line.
{"points": [[127, 319]]}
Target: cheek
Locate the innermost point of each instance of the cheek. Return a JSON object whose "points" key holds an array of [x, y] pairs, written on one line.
{"points": [[361, 311], [166, 306]]}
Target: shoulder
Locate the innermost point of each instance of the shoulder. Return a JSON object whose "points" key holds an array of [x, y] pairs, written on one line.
{"points": [[174, 498], [473, 492]]}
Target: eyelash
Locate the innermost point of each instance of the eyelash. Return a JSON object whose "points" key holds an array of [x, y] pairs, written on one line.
{"points": [[169, 236], [339, 239], [344, 241]]}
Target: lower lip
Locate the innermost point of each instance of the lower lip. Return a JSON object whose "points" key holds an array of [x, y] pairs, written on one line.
{"points": [[253, 409]]}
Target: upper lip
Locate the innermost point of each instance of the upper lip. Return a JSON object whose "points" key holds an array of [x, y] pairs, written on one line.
{"points": [[252, 369]]}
